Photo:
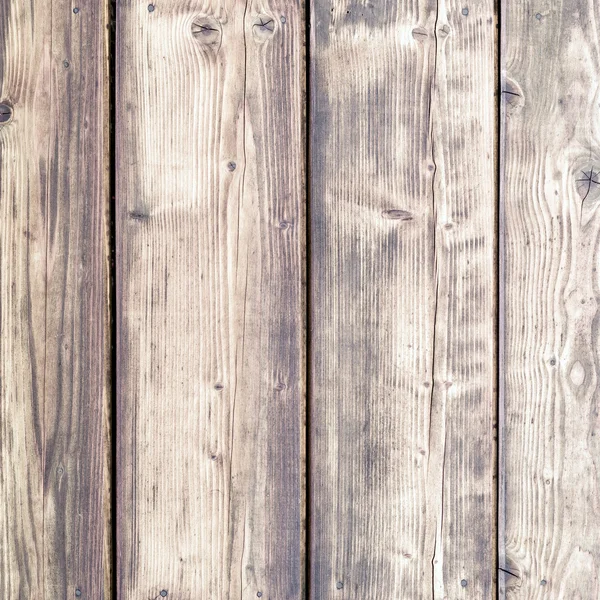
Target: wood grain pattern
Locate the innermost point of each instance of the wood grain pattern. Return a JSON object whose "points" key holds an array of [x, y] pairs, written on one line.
{"points": [[53, 301], [210, 316], [550, 152], [403, 130]]}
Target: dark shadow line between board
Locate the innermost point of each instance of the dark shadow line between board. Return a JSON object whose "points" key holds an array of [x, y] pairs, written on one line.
{"points": [[111, 50], [308, 298]]}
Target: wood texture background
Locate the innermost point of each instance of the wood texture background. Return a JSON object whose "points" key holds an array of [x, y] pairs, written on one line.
{"points": [[550, 543], [214, 364], [210, 159], [53, 301], [402, 393]]}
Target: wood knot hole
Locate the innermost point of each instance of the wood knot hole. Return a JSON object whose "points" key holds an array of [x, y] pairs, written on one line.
{"points": [[207, 31], [138, 215], [511, 96], [397, 214], [6, 113], [420, 34], [263, 27], [587, 183]]}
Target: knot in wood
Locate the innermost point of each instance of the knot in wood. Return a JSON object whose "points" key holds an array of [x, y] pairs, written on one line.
{"points": [[6, 113], [397, 214], [588, 182], [512, 98], [420, 34], [264, 27], [444, 30], [207, 31]]}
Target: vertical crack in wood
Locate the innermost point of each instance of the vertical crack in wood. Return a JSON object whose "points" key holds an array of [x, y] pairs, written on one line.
{"points": [[501, 111], [435, 568]]}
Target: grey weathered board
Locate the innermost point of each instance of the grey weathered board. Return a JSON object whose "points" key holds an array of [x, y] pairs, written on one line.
{"points": [[211, 268], [210, 203], [550, 279], [53, 301], [403, 303]]}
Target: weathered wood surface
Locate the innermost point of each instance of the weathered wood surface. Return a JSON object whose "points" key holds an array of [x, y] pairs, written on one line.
{"points": [[402, 390], [550, 512], [210, 299], [53, 301]]}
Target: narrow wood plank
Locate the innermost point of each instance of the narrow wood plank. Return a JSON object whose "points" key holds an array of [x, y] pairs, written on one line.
{"points": [[210, 316], [53, 300], [550, 151], [403, 304]]}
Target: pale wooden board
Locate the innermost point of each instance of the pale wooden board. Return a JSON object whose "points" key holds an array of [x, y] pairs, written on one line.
{"points": [[550, 536], [402, 300], [53, 301], [210, 299]]}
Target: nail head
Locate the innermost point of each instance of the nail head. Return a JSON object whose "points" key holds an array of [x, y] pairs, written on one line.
{"points": [[75, 10], [66, 64], [78, 592], [463, 583], [151, 9], [465, 11], [339, 585], [543, 582], [231, 166], [163, 593]]}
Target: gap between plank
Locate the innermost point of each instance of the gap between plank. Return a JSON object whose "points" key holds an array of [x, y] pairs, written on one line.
{"points": [[113, 295], [308, 304]]}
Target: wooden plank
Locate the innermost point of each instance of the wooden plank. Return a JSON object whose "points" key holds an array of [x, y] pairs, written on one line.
{"points": [[210, 301], [403, 305], [550, 538], [53, 301]]}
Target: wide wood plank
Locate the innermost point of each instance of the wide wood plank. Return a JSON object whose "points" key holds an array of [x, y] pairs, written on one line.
{"points": [[550, 516], [403, 308], [210, 317], [53, 301]]}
